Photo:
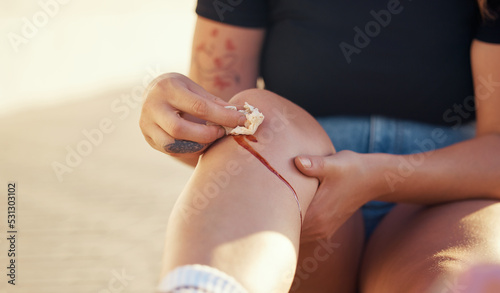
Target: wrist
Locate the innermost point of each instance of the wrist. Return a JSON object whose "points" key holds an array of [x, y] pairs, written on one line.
{"points": [[380, 175]]}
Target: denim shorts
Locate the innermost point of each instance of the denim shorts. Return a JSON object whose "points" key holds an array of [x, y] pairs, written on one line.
{"points": [[376, 134]]}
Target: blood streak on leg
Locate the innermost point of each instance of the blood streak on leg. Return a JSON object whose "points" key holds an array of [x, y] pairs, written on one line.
{"points": [[240, 139], [251, 138]]}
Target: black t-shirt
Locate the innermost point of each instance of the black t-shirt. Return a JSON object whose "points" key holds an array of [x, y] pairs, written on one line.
{"points": [[403, 59]]}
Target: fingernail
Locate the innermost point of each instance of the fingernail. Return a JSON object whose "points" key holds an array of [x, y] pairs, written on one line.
{"points": [[242, 120], [306, 163]]}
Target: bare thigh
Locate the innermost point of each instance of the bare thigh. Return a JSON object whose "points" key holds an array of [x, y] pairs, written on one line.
{"points": [[414, 246]]}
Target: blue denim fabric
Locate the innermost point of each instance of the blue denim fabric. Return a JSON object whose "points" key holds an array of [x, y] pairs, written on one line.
{"points": [[376, 134]]}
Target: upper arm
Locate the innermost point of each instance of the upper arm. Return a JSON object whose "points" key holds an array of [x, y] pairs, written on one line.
{"points": [[225, 58], [485, 58]]}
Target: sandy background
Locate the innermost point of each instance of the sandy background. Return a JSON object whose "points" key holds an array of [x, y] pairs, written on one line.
{"points": [[98, 224]]}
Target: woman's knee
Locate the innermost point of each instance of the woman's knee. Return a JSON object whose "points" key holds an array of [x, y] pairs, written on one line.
{"points": [[286, 122], [286, 132]]}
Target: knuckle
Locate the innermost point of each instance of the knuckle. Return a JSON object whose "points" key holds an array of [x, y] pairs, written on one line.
{"points": [[171, 80], [150, 141], [200, 108], [146, 106], [174, 75], [164, 88], [320, 163], [176, 130], [166, 82], [152, 104], [143, 124]]}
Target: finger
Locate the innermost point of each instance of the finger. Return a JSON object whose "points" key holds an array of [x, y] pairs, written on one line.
{"points": [[223, 103], [153, 144], [312, 166], [163, 142], [179, 128], [156, 137], [179, 147], [197, 89], [206, 108], [149, 130]]}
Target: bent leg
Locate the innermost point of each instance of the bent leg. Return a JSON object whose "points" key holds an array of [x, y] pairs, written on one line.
{"points": [[237, 216], [331, 265], [414, 247]]}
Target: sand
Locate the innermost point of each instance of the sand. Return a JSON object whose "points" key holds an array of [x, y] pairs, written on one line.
{"points": [[100, 227]]}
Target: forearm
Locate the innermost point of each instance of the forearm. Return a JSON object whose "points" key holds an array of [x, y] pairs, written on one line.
{"points": [[225, 58], [470, 169], [224, 62]]}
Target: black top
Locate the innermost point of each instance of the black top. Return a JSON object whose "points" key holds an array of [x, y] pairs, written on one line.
{"points": [[404, 59]]}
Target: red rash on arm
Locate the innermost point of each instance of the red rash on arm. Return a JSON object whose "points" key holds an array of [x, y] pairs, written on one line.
{"points": [[229, 45], [221, 83], [220, 71]]}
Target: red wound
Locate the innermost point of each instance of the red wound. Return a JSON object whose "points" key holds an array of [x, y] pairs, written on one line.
{"points": [[240, 139], [251, 138]]}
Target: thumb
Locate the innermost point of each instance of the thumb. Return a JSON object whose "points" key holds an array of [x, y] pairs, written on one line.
{"points": [[312, 166]]}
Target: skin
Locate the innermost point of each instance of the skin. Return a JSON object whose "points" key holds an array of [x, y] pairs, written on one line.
{"points": [[462, 179], [454, 190], [259, 223]]}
